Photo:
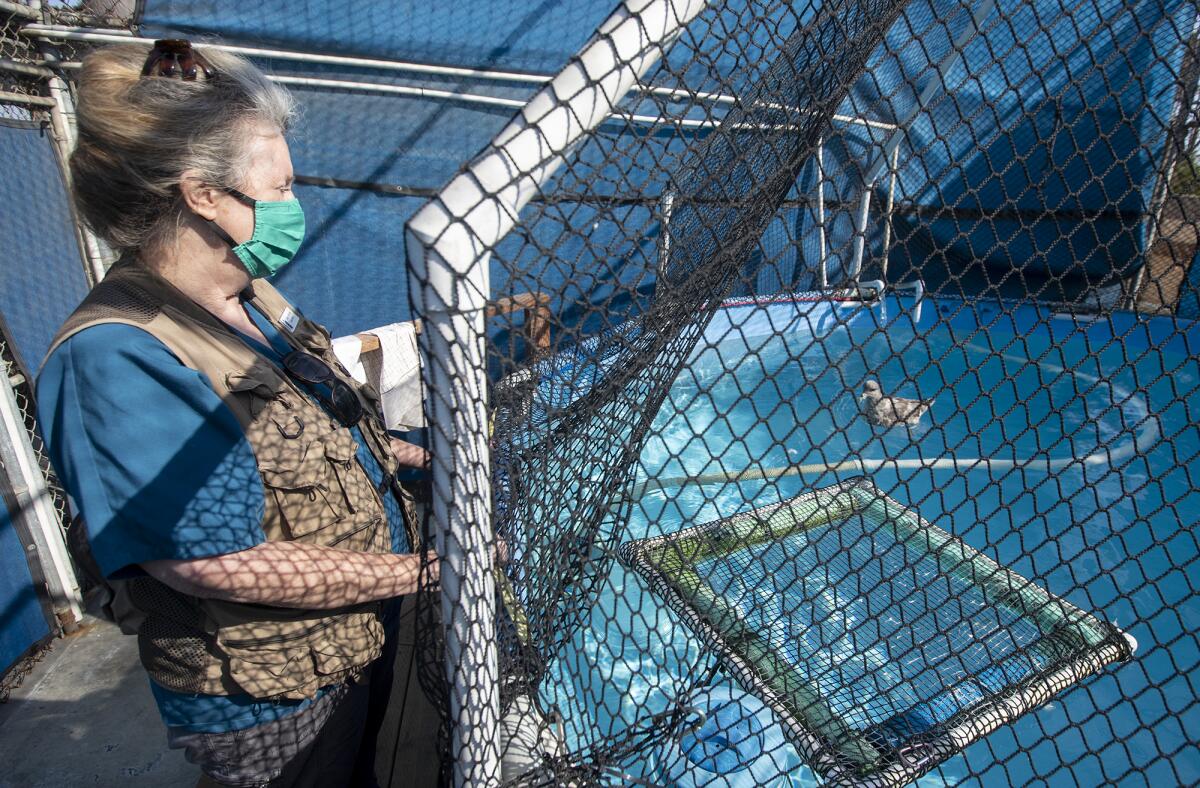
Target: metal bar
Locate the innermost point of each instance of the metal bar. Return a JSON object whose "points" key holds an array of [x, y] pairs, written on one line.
{"points": [[21, 98], [24, 68], [891, 204], [383, 188], [824, 278], [400, 90], [903, 209], [62, 119], [96, 35], [20, 462], [978, 11], [17, 9], [664, 246], [495, 101], [860, 233]]}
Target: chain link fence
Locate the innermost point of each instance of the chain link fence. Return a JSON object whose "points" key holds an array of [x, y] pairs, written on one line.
{"points": [[43, 279]]}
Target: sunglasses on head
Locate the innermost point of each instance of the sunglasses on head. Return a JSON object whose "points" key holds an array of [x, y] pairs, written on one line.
{"points": [[175, 58], [341, 401]]}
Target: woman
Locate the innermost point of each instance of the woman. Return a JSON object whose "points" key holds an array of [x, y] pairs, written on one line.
{"points": [[235, 482]]}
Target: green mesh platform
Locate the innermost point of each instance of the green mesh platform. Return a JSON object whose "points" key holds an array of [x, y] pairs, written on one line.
{"points": [[884, 644]]}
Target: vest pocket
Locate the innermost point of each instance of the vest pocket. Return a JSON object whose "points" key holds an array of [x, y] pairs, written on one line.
{"points": [[293, 659], [302, 490], [316, 490]]}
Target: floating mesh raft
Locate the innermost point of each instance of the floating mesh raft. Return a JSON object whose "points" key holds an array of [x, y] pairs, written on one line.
{"points": [[884, 644]]}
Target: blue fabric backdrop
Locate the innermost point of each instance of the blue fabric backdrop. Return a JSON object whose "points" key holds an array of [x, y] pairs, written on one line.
{"points": [[37, 242]]}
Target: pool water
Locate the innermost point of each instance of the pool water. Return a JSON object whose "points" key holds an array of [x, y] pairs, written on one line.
{"points": [[1066, 449]]}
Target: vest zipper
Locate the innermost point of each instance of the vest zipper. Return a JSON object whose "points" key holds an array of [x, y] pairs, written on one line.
{"points": [[324, 624], [373, 522]]}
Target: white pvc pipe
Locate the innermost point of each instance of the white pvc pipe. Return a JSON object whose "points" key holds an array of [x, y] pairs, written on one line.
{"points": [[860, 232], [449, 246], [824, 280], [20, 463]]}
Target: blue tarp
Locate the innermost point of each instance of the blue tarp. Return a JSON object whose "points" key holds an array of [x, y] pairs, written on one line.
{"points": [[22, 623], [36, 237], [1056, 115]]}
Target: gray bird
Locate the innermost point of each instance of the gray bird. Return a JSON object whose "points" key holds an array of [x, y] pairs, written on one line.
{"points": [[884, 411]]}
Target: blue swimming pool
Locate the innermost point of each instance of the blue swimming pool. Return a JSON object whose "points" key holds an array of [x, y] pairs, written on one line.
{"points": [[1065, 448]]}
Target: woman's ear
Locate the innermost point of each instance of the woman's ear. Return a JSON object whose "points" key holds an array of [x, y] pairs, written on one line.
{"points": [[198, 196]]}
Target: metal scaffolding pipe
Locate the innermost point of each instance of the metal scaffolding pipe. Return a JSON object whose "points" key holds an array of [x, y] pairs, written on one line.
{"points": [[28, 69], [18, 9], [99, 36], [21, 98]]}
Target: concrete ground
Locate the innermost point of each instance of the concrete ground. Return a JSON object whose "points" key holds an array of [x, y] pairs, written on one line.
{"points": [[85, 716]]}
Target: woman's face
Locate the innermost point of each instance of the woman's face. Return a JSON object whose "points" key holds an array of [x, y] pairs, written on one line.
{"points": [[268, 178]]}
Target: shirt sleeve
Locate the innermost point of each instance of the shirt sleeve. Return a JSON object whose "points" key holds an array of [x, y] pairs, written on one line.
{"points": [[156, 463]]}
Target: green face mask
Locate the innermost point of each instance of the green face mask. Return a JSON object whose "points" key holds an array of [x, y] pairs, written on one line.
{"points": [[278, 233]]}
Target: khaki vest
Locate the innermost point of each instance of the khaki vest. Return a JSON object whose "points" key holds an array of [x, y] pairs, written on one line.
{"points": [[315, 492]]}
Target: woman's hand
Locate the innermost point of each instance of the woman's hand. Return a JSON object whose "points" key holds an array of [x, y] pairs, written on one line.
{"points": [[500, 553], [410, 455]]}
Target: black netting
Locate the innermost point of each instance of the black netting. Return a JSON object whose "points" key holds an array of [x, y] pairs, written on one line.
{"points": [[938, 246]]}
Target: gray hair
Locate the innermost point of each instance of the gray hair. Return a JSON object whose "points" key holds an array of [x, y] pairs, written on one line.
{"points": [[138, 136]]}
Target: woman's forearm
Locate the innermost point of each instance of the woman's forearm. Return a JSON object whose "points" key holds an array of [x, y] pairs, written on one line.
{"points": [[410, 455], [294, 575]]}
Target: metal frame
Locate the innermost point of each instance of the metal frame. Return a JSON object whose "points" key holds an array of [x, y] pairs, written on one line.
{"points": [[813, 725], [887, 156], [102, 36], [864, 207], [33, 498]]}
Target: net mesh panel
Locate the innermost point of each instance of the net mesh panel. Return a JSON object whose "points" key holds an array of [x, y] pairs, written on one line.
{"points": [[715, 319], [881, 641]]}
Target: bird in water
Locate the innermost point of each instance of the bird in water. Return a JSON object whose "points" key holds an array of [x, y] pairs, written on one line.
{"points": [[884, 411]]}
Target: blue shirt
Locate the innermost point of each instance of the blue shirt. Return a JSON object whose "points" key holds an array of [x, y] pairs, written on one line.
{"points": [[161, 469]]}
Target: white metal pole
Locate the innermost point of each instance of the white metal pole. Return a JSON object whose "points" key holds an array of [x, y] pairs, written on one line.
{"points": [[860, 232], [449, 245], [891, 204], [19, 461], [824, 279]]}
